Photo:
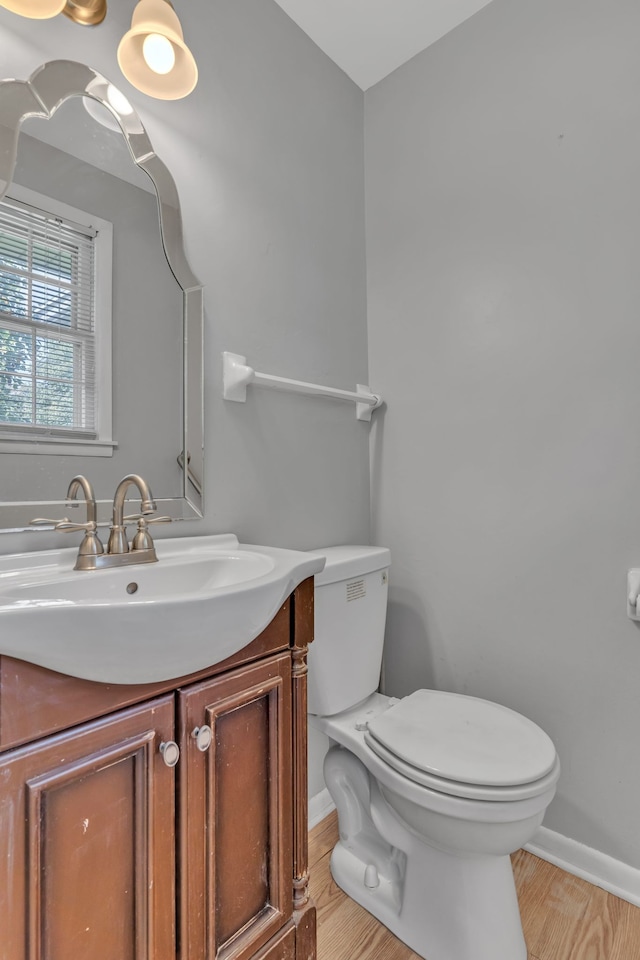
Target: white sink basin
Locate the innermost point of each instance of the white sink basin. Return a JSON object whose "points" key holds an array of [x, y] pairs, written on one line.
{"points": [[205, 599]]}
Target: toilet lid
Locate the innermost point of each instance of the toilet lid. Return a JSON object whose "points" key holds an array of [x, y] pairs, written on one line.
{"points": [[464, 739]]}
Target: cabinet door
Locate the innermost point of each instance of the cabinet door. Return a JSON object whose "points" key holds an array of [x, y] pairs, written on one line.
{"points": [[235, 817], [87, 842]]}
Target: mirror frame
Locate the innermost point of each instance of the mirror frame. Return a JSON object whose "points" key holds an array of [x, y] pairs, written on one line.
{"points": [[40, 96]]}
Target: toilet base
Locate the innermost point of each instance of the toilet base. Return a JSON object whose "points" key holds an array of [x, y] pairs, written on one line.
{"points": [[450, 908], [444, 905]]}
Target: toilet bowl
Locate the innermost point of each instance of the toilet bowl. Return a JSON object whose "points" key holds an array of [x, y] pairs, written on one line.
{"points": [[433, 791]]}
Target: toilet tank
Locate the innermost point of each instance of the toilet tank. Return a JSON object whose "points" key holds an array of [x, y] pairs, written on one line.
{"points": [[350, 604]]}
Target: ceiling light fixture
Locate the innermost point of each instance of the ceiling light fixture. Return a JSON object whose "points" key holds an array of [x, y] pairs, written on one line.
{"points": [[152, 54], [36, 9]]}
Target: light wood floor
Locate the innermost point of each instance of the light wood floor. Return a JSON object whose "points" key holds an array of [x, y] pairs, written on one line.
{"points": [[564, 918]]}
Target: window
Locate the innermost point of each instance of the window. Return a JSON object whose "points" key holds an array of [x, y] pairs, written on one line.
{"points": [[55, 326]]}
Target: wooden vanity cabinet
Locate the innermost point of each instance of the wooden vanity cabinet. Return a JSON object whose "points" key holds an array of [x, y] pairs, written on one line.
{"points": [[108, 853]]}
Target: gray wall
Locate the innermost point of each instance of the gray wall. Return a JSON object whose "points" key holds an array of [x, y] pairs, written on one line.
{"points": [[503, 241], [267, 154]]}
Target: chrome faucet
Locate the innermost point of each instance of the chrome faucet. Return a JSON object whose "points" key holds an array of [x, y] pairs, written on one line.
{"points": [[91, 554], [141, 549], [118, 543]]}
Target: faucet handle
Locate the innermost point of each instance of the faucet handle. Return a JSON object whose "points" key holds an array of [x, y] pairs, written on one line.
{"points": [[64, 525], [68, 526], [91, 545], [48, 522], [143, 539]]}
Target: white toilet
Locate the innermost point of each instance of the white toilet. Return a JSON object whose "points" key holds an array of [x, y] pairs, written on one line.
{"points": [[433, 791]]}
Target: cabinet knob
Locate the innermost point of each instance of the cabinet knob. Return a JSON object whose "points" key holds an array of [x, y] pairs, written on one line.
{"points": [[203, 737], [170, 752]]}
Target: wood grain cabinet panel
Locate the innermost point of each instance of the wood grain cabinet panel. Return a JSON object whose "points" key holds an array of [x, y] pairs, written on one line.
{"points": [[280, 947], [236, 818], [87, 842]]}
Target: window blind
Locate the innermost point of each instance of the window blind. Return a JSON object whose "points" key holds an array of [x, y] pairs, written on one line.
{"points": [[47, 324]]}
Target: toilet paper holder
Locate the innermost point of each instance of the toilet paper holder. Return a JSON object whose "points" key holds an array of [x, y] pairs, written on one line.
{"points": [[633, 593]]}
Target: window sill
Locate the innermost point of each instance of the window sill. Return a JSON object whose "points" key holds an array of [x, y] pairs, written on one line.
{"points": [[58, 446]]}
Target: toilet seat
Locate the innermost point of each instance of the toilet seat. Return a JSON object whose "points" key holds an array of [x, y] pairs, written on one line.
{"points": [[349, 730], [464, 746], [470, 791]]}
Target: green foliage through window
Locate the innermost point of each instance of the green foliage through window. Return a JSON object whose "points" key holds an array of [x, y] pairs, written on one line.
{"points": [[47, 335]]}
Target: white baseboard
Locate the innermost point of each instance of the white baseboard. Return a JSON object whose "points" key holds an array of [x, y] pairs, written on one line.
{"points": [[591, 865], [598, 868], [320, 807]]}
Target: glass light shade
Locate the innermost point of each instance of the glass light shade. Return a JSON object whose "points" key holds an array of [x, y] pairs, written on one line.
{"points": [[35, 9], [157, 17]]}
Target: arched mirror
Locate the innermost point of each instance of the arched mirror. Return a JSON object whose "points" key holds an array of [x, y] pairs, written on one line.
{"points": [[100, 314]]}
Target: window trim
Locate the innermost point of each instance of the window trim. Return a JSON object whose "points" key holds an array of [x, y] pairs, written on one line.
{"points": [[103, 444]]}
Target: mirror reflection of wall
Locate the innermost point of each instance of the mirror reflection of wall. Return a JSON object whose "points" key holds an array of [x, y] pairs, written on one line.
{"points": [[81, 163]]}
